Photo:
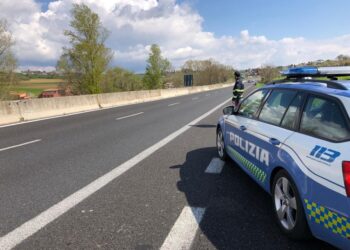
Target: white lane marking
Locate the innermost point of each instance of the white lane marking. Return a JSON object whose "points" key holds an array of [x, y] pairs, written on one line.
{"points": [[19, 145], [195, 98], [27, 229], [128, 116], [184, 230], [207, 95], [215, 166], [173, 104]]}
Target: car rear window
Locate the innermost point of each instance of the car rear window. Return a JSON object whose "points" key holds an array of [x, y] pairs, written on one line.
{"points": [[323, 118], [290, 119]]}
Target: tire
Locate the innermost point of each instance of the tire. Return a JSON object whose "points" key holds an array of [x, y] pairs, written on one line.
{"points": [[288, 207], [220, 145]]}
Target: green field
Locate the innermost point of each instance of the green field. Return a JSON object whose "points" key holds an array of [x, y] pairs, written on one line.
{"points": [[34, 87], [32, 92]]}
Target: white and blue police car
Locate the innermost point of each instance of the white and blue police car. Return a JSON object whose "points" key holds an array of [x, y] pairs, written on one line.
{"points": [[293, 138]]}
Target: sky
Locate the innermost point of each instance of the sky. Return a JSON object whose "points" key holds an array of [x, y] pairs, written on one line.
{"points": [[240, 33]]}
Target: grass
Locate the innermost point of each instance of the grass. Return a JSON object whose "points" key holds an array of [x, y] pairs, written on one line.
{"points": [[260, 84], [32, 92], [344, 78], [34, 87]]}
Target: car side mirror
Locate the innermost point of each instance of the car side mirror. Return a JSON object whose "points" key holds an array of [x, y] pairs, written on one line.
{"points": [[229, 110]]}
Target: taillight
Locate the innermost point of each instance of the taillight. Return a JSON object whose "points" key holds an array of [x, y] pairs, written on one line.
{"points": [[346, 174]]}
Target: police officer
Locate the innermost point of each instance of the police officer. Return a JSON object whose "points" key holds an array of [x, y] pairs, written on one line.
{"points": [[238, 89]]}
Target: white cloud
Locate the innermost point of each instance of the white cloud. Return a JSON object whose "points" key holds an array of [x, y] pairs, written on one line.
{"points": [[136, 24]]}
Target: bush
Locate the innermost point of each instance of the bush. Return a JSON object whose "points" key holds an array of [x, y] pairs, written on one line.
{"points": [[119, 79]]}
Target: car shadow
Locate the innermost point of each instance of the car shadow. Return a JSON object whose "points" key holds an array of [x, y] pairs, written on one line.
{"points": [[239, 214]]}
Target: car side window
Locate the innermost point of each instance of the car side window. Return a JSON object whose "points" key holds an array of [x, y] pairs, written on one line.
{"points": [[290, 118], [251, 104], [276, 105], [323, 118]]}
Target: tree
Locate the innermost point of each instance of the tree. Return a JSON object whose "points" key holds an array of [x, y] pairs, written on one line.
{"points": [[268, 73], [343, 60], [8, 62], [119, 79], [85, 62], [208, 71], [156, 69]]}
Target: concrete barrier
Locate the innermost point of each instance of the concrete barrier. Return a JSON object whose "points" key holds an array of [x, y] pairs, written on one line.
{"points": [[15, 111], [123, 98], [46, 107], [9, 112]]}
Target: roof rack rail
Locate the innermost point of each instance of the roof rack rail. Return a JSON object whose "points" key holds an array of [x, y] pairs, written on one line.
{"points": [[307, 73], [329, 83]]}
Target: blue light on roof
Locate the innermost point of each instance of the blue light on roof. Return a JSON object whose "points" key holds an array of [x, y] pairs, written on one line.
{"points": [[301, 71]]}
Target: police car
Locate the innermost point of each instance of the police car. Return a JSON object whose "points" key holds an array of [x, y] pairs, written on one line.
{"points": [[293, 138]]}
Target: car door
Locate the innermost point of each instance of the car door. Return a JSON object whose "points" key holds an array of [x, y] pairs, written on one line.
{"points": [[236, 127], [322, 140], [274, 124], [248, 108]]}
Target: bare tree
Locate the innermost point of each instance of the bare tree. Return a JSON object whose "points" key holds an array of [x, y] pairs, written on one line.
{"points": [[208, 71], [8, 62]]}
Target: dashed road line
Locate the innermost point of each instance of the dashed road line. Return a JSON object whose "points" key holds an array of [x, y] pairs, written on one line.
{"points": [[19, 145], [173, 104], [215, 166], [195, 98], [27, 229], [184, 230], [128, 116]]}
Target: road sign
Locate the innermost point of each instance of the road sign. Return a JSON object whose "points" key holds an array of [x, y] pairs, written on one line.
{"points": [[188, 80]]}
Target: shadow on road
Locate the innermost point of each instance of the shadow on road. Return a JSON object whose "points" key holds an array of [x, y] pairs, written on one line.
{"points": [[204, 126], [238, 212]]}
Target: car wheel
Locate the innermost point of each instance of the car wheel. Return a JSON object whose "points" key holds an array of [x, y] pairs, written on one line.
{"points": [[289, 210], [221, 145]]}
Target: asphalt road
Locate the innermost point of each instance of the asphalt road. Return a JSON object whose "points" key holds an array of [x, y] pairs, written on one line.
{"points": [[143, 207]]}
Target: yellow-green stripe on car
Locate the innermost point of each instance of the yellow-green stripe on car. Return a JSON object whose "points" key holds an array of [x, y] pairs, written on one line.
{"points": [[332, 221], [259, 174]]}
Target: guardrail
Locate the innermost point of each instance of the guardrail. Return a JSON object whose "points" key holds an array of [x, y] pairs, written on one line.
{"points": [[32, 109]]}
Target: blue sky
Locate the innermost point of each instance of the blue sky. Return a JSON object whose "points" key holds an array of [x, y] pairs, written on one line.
{"points": [[276, 19], [272, 18], [239, 33]]}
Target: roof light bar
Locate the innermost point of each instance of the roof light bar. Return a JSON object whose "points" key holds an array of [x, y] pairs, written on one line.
{"points": [[334, 70], [316, 71], [307, 71]]}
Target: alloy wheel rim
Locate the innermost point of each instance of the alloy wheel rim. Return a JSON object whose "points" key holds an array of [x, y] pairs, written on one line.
{"points": [[285, 203], [220, 144]]}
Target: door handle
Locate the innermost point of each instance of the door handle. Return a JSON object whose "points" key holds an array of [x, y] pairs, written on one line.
{"points": [[243, 128], [275, 141]]}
